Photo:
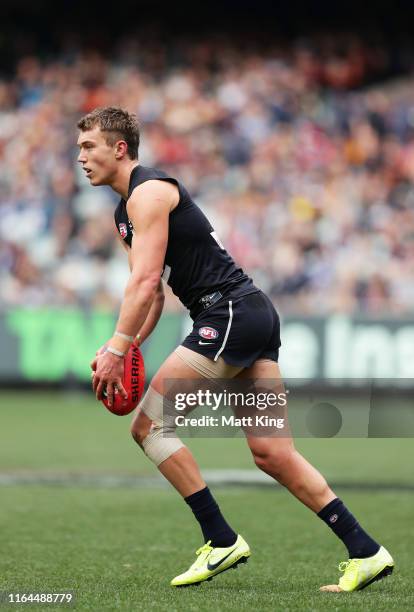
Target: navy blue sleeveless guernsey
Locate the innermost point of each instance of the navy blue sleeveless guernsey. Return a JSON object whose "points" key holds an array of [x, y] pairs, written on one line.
{"points": [[195, 263]]}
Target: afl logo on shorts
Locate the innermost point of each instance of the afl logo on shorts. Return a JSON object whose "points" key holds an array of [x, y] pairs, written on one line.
{"points": [[209, 333], [123, 230]]}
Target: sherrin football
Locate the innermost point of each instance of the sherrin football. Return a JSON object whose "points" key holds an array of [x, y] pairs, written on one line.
{"points": [[133, 381]]}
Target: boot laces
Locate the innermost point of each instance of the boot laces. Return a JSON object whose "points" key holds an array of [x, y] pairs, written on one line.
{"points": [[206, 548], [202, 554]]}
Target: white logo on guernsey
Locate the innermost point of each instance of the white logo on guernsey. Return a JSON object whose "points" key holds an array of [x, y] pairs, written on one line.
{"points": [[209, 333], [123, 230]]}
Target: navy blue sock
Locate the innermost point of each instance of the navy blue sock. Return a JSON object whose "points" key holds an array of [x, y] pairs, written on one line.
{"points": [[359, 544], [212, 522]]}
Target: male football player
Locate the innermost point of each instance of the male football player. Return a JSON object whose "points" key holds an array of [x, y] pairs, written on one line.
{"points": [[235, 334]]}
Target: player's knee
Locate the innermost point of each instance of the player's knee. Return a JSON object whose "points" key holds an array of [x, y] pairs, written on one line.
{"points": [[140, 428], [154, 427], [271, 459], [138, 436]]}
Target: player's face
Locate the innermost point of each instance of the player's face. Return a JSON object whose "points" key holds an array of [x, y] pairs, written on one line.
{"points": [[97, 157]]}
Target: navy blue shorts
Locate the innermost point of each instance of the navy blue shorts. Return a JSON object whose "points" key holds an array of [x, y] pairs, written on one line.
{"points": [[241, 331]]}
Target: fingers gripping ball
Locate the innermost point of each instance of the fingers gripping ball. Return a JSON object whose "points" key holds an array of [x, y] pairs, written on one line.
{"points": [[133, 381]]}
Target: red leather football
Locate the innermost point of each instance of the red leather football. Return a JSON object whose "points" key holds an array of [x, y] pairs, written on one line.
{"points": [[133, 381]]}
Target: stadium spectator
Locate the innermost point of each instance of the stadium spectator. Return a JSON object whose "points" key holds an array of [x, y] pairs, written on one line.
{"points": [[309, 181]]}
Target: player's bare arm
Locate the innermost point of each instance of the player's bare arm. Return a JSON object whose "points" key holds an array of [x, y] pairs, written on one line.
{"points": [[154, 314], [157, 305], [148, 209]]}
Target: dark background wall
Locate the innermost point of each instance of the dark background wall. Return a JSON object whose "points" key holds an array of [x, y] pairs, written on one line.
{"points": [[46, 26]]}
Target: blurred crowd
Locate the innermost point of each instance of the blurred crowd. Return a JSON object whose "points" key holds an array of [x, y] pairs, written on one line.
{"points": [[301, 156]]}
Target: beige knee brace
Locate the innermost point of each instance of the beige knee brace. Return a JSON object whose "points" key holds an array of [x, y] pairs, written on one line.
{"points": [[162, 440]]}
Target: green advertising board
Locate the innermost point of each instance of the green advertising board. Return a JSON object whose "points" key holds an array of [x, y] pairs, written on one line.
{"points": [[54, 345]]}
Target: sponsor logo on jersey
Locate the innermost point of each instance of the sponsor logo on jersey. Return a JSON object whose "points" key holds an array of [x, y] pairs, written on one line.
{"points": [[123, 230], [209, 333]]}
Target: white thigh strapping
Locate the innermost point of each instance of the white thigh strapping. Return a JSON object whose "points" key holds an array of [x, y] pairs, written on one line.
{"points": [[207, 368]]}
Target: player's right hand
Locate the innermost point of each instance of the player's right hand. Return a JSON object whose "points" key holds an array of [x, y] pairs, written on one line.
{"points": [[98, 352]]}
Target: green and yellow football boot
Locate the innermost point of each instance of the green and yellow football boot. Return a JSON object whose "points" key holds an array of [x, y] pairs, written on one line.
{"points": [[360, 573], [212, 561]]}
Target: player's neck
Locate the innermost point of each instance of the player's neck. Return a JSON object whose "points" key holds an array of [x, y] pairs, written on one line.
{"points": [[120, 183]]}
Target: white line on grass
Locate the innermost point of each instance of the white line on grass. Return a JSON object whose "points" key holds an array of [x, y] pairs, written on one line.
{"points": [[239, 478]]}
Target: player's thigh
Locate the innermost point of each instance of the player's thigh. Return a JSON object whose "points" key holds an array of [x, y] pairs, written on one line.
{"points": [[265, 369], [184, 371], [173, 368], [185, 366], [268, 441]]}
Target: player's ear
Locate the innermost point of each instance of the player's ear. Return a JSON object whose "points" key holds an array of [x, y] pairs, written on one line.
{"points": [[121, 149]]}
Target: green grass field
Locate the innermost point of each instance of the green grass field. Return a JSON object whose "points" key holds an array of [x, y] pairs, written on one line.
{"points": [[118, 546]]}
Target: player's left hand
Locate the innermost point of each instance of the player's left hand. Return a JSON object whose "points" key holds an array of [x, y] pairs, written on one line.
{"points": [[107, 374]]}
